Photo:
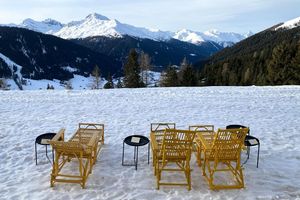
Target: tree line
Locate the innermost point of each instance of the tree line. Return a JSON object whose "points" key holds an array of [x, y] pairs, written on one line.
{"points": [[137, 73]]}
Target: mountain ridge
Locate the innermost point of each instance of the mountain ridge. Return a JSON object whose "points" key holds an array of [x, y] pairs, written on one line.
{"points": [[98, 25]]}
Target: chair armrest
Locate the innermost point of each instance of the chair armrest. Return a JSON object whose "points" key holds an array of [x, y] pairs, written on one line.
{"points": [[60, 136], [206, 142]]}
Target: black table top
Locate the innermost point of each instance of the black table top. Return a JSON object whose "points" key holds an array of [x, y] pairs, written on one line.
{"points": [[248, 138], [46, 136], [142, 140]]}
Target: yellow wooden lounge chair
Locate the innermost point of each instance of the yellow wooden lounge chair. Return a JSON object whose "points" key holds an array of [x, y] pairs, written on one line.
{"points": [[83, 148], [223, 154], [176, 148], [206, 131], [157, 130]]}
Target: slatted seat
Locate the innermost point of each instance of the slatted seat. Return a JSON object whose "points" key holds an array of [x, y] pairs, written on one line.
{"points": [[223, 154], [175, 148]]}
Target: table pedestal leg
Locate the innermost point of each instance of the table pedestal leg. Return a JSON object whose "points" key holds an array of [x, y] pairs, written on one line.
{"points": [[35, 154], [137, 154], [123, 155]]}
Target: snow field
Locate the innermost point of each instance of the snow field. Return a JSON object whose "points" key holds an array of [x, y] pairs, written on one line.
{"points": [[272, 113]]}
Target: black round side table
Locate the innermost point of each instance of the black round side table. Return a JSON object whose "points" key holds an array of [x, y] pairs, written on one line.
{"points": [[43, 140], [135, 141]]}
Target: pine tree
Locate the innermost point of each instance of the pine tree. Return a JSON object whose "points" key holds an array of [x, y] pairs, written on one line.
{"points": [[188, 76], [169, 78], [132, 70], [97, 78], [119, 83], [109, 84]]}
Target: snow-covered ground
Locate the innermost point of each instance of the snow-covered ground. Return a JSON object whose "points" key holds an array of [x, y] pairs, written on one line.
{"points": [[273, 114]]}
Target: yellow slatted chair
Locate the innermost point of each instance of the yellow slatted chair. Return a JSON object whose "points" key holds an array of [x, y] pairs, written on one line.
{"points": [[156, 132], [83, 148], [206, 131], [176, 148], [223, 154], [86, 129]]}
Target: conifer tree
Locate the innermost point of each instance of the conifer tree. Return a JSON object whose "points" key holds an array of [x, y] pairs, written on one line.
{"points": [[169, 78], [109, 84], [119, 83], [188, 76], [132, 70]]}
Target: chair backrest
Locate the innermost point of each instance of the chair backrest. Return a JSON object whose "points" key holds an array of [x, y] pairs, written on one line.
{"points": [[202, 128], [177, 144], [90, 128], [158, 127], [227, 143], [205, 130]]}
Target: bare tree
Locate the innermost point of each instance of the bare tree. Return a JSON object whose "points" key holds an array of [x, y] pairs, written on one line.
{"points": [[97, 77], [3, 84], [68, 85], [145, 63], [183, 66]]}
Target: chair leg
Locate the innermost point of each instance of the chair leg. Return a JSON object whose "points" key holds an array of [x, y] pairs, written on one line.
{"points": [[188, 176], [157, 175]]}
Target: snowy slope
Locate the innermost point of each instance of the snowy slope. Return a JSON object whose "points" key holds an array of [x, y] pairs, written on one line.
{"points": [[15, 70], [290, 24], [77, 83], [272, 113]]}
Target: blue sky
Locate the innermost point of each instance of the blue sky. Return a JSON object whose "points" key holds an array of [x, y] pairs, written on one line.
{"points": [[199, 15]]}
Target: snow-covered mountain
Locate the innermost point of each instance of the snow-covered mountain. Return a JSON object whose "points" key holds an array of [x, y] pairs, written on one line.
{"points": [[224, 38], [48, 26], [99, 25]]}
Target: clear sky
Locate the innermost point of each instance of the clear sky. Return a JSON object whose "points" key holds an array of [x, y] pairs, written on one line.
{"points": [[198, 15]]}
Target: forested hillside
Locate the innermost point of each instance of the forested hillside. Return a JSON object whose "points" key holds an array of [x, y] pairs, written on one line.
{"points": [[267, 58]]}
